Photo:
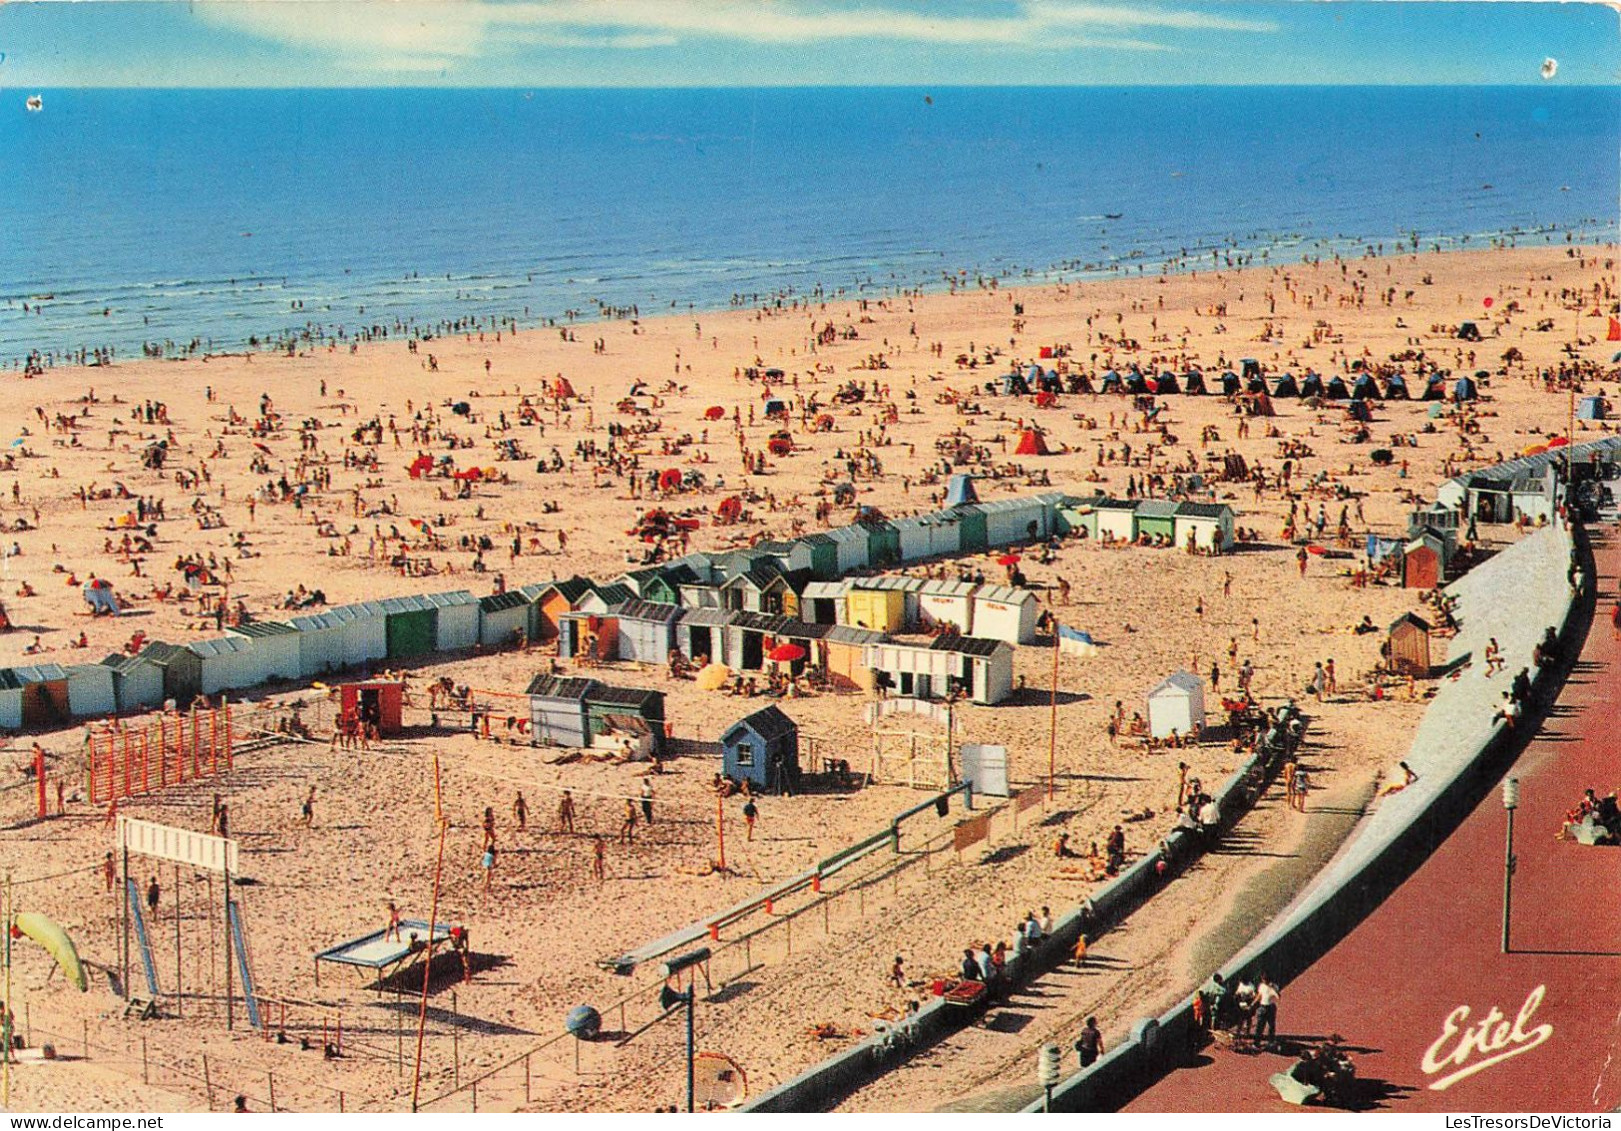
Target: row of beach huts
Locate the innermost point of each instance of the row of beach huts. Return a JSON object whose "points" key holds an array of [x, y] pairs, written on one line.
{"points": [[824, 590]]}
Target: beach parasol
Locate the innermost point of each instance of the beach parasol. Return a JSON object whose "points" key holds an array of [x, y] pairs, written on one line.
{"points": [[786, 653], [1558, 441], [56, 943], [1534, 450], [1314, 548], [712, 677], [1008, 560]]}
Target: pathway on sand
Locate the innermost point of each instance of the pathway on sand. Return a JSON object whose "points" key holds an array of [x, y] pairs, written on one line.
{"points": [[1437, 1017]]}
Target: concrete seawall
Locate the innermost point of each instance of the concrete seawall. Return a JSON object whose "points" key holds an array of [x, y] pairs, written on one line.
{"points": [[1457, 751]]}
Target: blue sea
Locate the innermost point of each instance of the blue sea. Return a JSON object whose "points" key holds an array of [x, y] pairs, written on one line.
{"points": [[228, 216]]}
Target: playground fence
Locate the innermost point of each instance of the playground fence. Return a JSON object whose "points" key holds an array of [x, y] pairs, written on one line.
{"points": [[142, 756]]}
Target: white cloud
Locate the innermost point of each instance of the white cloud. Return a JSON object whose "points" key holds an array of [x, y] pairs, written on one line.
{"points": [[429, 35]]}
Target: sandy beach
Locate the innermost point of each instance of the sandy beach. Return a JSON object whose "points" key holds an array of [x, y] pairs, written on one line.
{"points": [[546, 920]]}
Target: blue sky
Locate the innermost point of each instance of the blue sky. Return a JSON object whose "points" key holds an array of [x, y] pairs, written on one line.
{"points": [[303, 43]]}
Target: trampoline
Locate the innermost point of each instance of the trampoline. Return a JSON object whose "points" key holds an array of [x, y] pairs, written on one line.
{"points": [[382, 954]]}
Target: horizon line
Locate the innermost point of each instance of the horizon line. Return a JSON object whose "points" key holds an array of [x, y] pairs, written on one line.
{"points": [[925, 87]]}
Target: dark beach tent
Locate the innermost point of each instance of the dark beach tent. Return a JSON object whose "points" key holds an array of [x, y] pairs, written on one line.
{"points": [[1255, 384], [1252, 367], [1014, 385], [1193, 382], [1111, 382], [1311, 385], [1336, 390], [1229, 384], [1464, 390], [1365, 389], [1080, 383], [1050, 383], [1396, 388], [1286, 386], [1167, 384], [1136, 383], [1436, 390], [1469, 332]]}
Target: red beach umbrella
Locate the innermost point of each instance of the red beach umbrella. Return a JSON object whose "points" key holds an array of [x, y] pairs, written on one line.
{"points": [[714, 412], [1314, 548], [786, 653], [1558, 441], [1008, 560]]}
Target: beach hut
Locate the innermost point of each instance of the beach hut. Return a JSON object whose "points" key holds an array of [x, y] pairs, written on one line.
{"points": [[960, 491], [456, 620], [11, 700], [881, 609], [45, 694], [816, 553], [1407, 647], [946, 603], [842, 655], [320, 643], [375, 701], [1286, 386], [604, 705], [981, 667], [1210, 525], [1155, 518], [760, 588], [365, 632], [1116, 518], [822, 602], [1030, 443], [1464, 390], [1396, 388], [1591, 408], [227, 663], [90, 691], [503, 619], [1002, 612], [591, 635], [883, 542], [1176, 703], [934, 535], [557, 714], [640, 581], [1077, 514], [555, 599], [602, 598], [137, 682], [646, 631], [1423, 562], [182, 671], [762, 749], [701, 634], [276, 652], [749, 636], [972, 526], [1011, 522], [853, 546], [411, 626]]}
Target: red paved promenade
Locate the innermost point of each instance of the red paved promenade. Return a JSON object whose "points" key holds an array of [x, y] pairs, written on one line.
{"points": [[1438, 1018]]}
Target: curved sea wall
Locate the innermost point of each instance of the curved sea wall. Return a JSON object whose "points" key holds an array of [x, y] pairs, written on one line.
{"points": [[1457, 751]]}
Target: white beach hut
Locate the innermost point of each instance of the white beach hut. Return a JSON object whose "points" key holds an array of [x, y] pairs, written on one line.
{"points": [[854, 547], [90, 691], [1116, 518], [501, 617], [320, 643], [1176, 703], [456, 625], [1002, 612], [227, 663], [275, 647], [137, 682], [946, 602], [365, 632]]}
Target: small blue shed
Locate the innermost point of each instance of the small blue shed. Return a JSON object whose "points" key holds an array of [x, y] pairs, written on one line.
{"points": [[764, 749]]}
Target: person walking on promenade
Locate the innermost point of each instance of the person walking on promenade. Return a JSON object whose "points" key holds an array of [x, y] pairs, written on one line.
{"points": [[1266, 1011]]}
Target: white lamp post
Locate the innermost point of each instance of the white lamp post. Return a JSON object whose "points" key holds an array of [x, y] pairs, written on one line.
{"points": [[1511, 802]]}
